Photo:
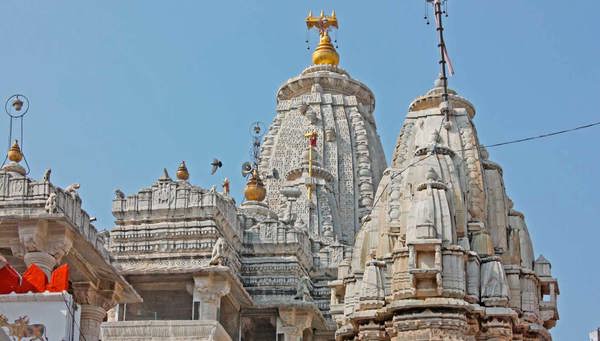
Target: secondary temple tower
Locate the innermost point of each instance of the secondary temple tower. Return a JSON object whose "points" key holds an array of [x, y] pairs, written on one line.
{"points": [[443, 255]]}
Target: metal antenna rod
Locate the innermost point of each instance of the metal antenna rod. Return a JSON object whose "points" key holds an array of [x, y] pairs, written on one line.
{"points": [[437, 6]]}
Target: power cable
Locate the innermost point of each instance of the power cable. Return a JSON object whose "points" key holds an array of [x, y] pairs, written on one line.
{"points": [[72, 313], [530, 138]]}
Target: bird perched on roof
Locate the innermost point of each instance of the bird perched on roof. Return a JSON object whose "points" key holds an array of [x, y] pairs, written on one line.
{"points": [[216, 164]]}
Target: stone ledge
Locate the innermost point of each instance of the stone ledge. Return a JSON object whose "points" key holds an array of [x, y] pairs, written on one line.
{"points": [[164, 330]]}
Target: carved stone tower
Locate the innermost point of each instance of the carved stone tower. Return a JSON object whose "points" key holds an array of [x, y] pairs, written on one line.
{"points": [[338, 168], [456, 258]]}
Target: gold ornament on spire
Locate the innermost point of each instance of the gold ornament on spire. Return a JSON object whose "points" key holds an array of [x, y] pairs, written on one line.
{"points": [[255, 189], [325, 53], [312, 143], [182, 172], [14, 153]]}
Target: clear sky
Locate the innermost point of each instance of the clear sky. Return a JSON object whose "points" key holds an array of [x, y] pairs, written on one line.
{"points": [[121, 89]]}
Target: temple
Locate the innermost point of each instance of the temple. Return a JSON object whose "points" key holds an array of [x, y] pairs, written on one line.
{"points": [[330, 243]]}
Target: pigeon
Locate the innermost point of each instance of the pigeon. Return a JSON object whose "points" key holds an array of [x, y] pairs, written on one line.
{"points": [[216, 164]]}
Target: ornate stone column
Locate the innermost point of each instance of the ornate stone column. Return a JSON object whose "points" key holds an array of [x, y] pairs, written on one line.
{"points": [[91, 318], [95, 302], [208, 290]]}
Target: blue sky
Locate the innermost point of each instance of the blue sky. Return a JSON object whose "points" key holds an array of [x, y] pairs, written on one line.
{"points": [[121, 89]]}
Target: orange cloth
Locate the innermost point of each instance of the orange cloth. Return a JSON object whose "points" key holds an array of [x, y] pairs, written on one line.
{"points": [[60, 279], [9, 279], [34, 280]]}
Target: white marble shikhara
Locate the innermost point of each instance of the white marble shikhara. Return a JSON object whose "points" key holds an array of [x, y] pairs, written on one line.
{"points": [[459, 262], [427, 249]]}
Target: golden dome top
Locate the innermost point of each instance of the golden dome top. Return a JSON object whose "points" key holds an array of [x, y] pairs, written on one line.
{"points": [[182, 172], [325, 53], [14, 153], [255, 189]]}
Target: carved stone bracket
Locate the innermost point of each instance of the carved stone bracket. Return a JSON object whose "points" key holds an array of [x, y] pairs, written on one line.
{"points": [[208, 290], [295, 321]]}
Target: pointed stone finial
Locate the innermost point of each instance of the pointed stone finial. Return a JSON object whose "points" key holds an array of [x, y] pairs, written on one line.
{"points": [[182, 172], [165, 175]]}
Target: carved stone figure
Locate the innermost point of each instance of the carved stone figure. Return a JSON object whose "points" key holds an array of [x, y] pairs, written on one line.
{"points": [[302, 289], [218, 252], [72, 190], [51, 206]]}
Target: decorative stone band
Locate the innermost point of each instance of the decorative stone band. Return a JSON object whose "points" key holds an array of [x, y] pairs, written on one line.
{"points": [[432, 100], [317, 172], [163, 330], [331, 78]]}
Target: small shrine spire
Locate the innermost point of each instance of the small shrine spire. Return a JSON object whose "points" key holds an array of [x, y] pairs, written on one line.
{"points": [[325, 53]]}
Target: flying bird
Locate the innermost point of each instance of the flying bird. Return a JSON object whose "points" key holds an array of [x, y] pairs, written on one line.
{"points": [[216, 164]]}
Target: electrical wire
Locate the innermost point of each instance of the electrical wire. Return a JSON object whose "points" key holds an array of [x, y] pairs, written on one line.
{"points": [[541, 136], [72, 313], [499, 144]]}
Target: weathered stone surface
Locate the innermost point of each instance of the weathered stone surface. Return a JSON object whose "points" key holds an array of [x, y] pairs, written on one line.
{"points": [[462, 260]]}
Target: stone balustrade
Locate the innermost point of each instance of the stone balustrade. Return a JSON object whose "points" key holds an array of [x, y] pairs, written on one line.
{"points": [[22, 197]]}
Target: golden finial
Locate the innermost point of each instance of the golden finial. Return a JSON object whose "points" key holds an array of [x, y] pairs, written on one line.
{"points": [[255, 189], [182, 172], [325, 53], [14, 153]]}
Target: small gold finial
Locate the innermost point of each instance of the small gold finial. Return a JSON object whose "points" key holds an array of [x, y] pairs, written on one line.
{"points": [[255, 189], [325, 53], [182, 172], [14, 153]]}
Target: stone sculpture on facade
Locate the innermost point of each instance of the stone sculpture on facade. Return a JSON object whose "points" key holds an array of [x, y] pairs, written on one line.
{"points": [[302, 289], [218, 252], [50, 206]]}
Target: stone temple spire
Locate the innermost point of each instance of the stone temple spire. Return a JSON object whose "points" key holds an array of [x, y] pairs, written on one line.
{"points": [[459, 262], [338, 172]]}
